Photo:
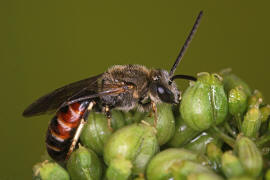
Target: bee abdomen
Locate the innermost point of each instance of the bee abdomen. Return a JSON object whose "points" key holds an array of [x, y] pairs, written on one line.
{"points": [[62, 129]]}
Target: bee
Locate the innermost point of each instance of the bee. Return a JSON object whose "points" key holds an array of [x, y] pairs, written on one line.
{"points": [[122, 87]]}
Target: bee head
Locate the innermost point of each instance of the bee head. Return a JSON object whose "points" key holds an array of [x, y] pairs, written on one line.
{"points": [[162, 89]]}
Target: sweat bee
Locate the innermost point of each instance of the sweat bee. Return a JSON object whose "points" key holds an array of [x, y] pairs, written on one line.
{"points": [[123, 87]]}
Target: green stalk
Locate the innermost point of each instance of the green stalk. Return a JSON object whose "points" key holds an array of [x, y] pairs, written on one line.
{"points": [[263, 139], [238, 119], [215, 131], [229, 129]]}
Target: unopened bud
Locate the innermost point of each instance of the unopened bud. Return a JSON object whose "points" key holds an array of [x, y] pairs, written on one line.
{"points": [[249, 155], [204, 176], [160, 164], [49, 171], [183, 133], [231, 165], [214, 154], [237, 101], [165, 122], [231, 81], [265, 113], [119, 169], [84, 164], [252, 122], [204, 103], [182, 169], [256, 99], [136, 142]]}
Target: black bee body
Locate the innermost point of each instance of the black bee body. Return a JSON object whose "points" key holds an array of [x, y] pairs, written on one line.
{"points": [[141, 87], [123, 87]]}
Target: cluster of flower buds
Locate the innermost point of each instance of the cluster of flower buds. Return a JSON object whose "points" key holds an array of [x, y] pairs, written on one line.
{"points": [[220, 130]]}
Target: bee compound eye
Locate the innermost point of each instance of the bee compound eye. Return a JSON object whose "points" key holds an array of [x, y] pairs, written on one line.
{"points": [[165, 94], [160, 90]]}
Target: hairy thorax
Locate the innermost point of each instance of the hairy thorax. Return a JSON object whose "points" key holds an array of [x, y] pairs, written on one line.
{"points": [[134, 76]]}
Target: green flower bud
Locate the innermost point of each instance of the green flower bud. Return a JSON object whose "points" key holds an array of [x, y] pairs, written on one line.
{"points": [[249, 156], [265, 113], [231, 165], [237, 101], [267, 175], [214, 154], [242, 178], [160, 164], [252, 122], [183, 133], [165, 122], [137, 143], [204, 103], [84, 164], [231, 81], [182, 169], [204, 176], [133, 116], [49, 171], [117, 120], [199, 143], [256, 99], [96, 132], [141, 177], [119, 169]]}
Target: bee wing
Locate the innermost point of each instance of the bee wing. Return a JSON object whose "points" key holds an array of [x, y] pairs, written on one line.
{"points": [[55, 99], [109, 89]]}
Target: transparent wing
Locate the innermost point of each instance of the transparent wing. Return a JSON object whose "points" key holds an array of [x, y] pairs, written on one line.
{"points": [[55, 99]]}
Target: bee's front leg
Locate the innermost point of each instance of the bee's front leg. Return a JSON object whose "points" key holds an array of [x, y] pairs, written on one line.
{"points": [[154, 109], [150, 106]]}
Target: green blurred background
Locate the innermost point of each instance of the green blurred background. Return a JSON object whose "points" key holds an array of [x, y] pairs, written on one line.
{"points": [[47, 44]]}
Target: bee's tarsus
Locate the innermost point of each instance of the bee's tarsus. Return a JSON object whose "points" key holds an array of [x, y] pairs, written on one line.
{"points": [[154, 109], [109, 117]]}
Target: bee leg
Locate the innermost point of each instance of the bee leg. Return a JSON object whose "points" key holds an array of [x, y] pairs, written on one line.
{"points": [[150, 113], [154, 108], [79, 129], [109, 117], [146, 107]]}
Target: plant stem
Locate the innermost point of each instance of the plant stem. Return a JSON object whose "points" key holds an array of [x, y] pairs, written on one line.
{"points": [[215, 131], [229, 129], [238, 121], [263, 139]]}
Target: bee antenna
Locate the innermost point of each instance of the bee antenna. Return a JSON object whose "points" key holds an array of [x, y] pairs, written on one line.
{"points": [[181, 76], [186, 44]]}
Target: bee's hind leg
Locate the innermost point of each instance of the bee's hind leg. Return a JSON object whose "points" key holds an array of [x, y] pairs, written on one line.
{"points": [[80, 128]]}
